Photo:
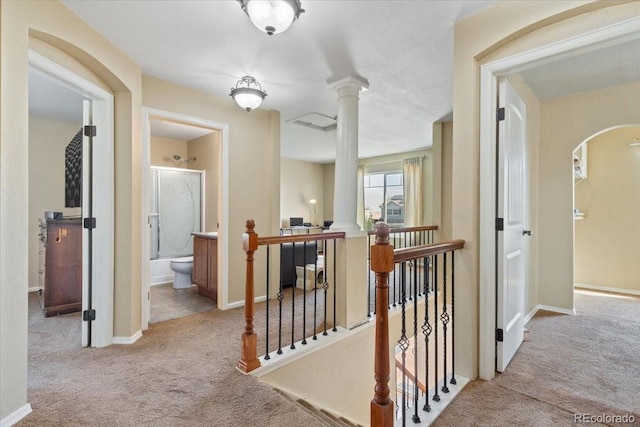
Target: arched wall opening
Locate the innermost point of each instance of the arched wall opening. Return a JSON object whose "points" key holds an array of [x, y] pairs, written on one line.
{"points": [[606, 206]]}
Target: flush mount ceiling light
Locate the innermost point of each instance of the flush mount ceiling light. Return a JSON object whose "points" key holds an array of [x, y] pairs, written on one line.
{"points": [[272, 17], [248, 93]]}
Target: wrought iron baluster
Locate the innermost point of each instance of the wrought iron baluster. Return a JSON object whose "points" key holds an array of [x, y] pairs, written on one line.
{"points": [[335, 287], [416, 394], [325, 288], [315, 292], [266, 335], [304, 293], [280, 299], [426, 331], [436, 396], [293, 300], [453, 322], [444, 317], [403, 342]]}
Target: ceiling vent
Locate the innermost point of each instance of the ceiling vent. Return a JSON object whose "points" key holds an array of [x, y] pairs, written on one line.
{"points": [[317, 121]]}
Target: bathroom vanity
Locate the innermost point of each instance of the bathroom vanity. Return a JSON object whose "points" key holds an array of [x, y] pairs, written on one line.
{"points": [[205, 263]]}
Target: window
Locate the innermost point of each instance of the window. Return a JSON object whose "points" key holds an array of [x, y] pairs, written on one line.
{"points": [[383, 199]]}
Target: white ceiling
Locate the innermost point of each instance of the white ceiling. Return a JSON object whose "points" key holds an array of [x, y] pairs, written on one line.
{"points": [[403, 48]]}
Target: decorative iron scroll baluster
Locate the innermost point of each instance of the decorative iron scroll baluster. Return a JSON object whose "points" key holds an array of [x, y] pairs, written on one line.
{"points": [[416, 391], [403, 342], [266, 335], [280, 299], [426, 331], [445, 320], [453, 323], [436, 396], [304, 293]]}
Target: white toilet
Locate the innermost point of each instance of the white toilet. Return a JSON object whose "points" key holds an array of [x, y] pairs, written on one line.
{"points": [[182, 268]]}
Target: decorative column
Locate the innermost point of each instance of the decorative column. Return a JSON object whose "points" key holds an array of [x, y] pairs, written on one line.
{"points": [[346, 170]]}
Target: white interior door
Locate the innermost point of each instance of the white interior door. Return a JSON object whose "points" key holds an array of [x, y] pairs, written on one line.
{"points": [[512, 208]]}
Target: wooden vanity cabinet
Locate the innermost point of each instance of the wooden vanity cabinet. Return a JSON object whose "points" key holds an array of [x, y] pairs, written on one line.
{"points": [[205, 265]]}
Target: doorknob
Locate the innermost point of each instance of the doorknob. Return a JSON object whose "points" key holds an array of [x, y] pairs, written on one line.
{"points": [[526, 232]]}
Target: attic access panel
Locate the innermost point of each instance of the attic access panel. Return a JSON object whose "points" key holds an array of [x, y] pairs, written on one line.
{"points": [[317, 121]]}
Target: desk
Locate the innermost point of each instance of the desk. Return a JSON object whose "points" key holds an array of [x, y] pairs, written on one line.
{"points": [[301, 230]]}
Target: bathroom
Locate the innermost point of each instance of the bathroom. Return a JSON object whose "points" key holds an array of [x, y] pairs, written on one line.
{"points": [[183, 192]]}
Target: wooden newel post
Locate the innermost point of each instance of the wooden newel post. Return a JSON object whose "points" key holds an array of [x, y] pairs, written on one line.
{"points": [[249, 356], [382, 409]]}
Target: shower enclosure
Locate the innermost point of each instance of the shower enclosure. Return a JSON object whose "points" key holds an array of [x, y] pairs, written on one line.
{"points": [[176, 211]]}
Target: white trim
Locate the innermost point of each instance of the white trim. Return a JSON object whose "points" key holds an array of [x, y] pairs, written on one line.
{"points": [[128, 340], [223, 203], [532, 313], [607, 289], [103, 197], [596, 39], [16, 416], [240, 303], [34, 289]]}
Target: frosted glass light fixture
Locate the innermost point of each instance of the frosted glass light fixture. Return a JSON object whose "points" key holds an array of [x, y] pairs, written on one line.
{"points": [[272, 17], [248, 93]]}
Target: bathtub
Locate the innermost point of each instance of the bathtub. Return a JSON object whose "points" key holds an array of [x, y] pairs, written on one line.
{"points": [[160, 272]]}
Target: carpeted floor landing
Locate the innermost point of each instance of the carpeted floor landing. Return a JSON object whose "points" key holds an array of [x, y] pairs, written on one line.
{"points": [[568, 365]]}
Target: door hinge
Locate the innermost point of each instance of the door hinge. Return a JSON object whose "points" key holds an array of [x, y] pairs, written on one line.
{"points": [[90, 130], [500, 114], [499, 224], [89, 315], [89, 223], [499, 335]]}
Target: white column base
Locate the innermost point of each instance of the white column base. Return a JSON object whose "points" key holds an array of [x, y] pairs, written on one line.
{"points": [[345, 226]]}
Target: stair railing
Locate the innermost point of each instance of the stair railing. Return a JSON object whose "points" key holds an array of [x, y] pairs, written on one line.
{"points": [[398, 238], [308, 294], [426, 331]]}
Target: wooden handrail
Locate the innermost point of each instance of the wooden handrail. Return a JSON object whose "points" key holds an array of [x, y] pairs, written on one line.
{"points": [[410, 375], [414, 252], [249, 353], [407, 229], [274, 240]]}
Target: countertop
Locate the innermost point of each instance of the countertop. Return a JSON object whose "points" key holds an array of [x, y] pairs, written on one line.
{"points": [[210, 235]]}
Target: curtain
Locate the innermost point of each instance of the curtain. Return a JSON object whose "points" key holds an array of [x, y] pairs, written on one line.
{"points": [[360, 195], [413, 192]]}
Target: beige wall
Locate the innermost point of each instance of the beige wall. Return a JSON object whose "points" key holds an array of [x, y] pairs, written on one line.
{"points": [[52, 23], [607, 240], [47, 142], [253, 169], [329, 175], [206, 150], [300, 182], [502, 30], [446, 190], [567, 122], [162, 150]]}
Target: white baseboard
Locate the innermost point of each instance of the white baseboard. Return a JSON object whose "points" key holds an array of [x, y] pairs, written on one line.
{"points": [[571, 312], [159, 280], [128, 340], [237, 304], [35, 289], [15, 416], [607, 289], [530, 315]]}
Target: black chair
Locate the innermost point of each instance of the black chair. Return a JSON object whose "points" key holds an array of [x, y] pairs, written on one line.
{"points": [[288, 263]]}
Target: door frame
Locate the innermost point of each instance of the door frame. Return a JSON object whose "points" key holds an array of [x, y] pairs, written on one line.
{"points": [[103, 197], [489, 73], [223, 203]]}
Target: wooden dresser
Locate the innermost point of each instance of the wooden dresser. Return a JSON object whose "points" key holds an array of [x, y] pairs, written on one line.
{"points": [[205, 263], [62, 287]]}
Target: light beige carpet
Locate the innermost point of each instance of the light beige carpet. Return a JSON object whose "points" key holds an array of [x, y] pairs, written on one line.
{"points": [[180, 373], [583, 364]]}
